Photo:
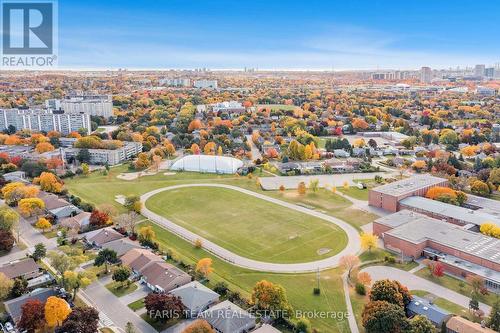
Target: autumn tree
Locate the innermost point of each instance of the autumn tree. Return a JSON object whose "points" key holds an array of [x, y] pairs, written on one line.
{"points": [[31, 206], [49, 182], [128, 221], [209, 148], [348, 262], [199, 326], [364, 278], [270, 298], [146, 234], [390, 291], [81, 320], [383, 317], [490, 229], [368, 241], [32, 316], [8, 218], [61, 263], [43, 224], [44, 147], [142, 161], [480, 188], [85, 169], [6, 240], [163, 307], [302, 188], [56, 311], [195, 149], [73, 281], [98, 219], [314, 185], [204, 267], [5, 286]]}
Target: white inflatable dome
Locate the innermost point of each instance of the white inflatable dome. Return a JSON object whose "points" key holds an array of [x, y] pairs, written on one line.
{"points": [[207, 163]]}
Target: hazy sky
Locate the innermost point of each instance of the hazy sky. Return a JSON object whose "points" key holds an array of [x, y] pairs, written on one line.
{"points": [[272, 34]]}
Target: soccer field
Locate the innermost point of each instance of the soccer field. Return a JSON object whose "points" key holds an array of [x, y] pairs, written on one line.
{"points": [[249, 226]]}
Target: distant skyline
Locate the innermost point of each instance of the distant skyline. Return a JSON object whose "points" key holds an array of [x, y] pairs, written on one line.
{"points": [[296, 35]]}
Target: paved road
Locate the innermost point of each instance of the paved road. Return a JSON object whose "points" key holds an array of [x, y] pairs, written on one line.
{"points": [[253, 148], [353, 325], [118, 312], [353, 244], [414, 282]]}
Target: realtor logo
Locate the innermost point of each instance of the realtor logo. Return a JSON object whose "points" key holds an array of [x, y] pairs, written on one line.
{"points": [[28, 33]]}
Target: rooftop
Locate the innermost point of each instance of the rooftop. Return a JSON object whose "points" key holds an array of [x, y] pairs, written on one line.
{"points": [[456, 212], [19, 268], [423, 307], [409, 185], [420, 228]]}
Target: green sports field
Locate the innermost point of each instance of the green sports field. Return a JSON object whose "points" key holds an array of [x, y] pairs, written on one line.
{"points": [[249, 226]]}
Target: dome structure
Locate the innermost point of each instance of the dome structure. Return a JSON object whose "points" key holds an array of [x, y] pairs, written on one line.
{"points": [[207, 163]]}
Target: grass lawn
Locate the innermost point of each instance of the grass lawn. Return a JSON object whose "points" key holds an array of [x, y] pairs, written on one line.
{"points": [[358, 303], [50, 234], [285, 107], [139, 304], [249, 226], [299, 287], [157, 325], [379, 255], [106, 330], [120, 290], [355, 192], [454, 284]]}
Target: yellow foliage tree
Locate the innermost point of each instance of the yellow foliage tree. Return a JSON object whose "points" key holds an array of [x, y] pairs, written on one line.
{"points": [[368, 241], [43, 224], [85, 169], [31, 206], [419, 165], [209, 148], [490, 229], [44, 147], [360, 142], [204, 267], [49, 183], [56, 311], [301, 188]]}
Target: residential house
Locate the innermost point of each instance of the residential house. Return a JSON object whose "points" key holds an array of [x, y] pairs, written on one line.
{"points": [[26, 268], [195, 297], [100, 237], [227, 317], [80, 222], [121, 246], [15, 176], [422, 307], [154, 271], [57, 207], [461, 325], [13, 307], [266, 328]]}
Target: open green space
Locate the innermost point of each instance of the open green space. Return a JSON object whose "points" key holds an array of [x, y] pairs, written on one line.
{"points": [[249, 226], [119, 289], [354, 192], [277, 107], [457, 285]]}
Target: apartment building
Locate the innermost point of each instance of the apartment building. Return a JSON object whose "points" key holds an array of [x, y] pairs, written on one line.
{"points": [[109, 156], [205, 84], [90, 104], [44, 120]]}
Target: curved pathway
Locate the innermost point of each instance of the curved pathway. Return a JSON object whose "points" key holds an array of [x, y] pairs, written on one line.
{"points": [[353, 244], [414, 282]]}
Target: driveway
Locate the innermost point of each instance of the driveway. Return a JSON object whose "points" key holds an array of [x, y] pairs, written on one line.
{"points": [[414, 282], [141, 292], [117, 311], [353, 244]]}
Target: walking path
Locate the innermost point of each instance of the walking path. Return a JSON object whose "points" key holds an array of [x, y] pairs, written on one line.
{"points": [[414, 282], [353, 244], [353, 326]]}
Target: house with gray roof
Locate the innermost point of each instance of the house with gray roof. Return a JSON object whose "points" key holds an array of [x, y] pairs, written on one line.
{"points": [[14, 306], [195, 297], [227, 317], [422, 307]]}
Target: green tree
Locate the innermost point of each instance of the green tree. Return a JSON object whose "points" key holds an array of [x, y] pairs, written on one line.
{"points": [[383, 317], [105, 257], [494, 319], [61, 263], [39, 252], [19, 288], [121, 274], [420, 324]]}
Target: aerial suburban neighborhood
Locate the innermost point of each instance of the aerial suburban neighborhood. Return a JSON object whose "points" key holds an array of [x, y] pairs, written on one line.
{"points": [[148, 185]]}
